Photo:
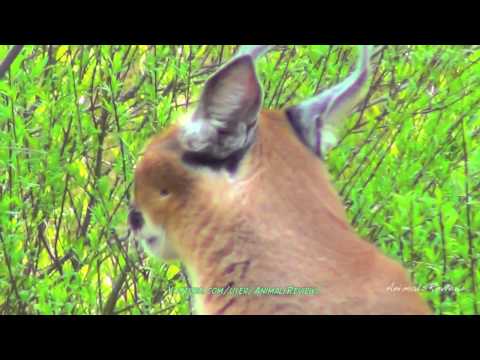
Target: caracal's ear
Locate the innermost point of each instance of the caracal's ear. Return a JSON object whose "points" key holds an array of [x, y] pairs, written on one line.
{"points": [[317, 120], [225, 119]]}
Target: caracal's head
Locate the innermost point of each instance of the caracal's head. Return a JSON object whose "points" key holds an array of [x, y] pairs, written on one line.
{"points": [[189, 171]]}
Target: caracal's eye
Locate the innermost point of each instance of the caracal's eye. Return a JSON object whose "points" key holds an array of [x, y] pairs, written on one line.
{"points": [[164, 192], [135, 219]]}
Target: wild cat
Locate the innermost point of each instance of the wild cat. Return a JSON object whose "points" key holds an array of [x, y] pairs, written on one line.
{"points": [[241, 196]]}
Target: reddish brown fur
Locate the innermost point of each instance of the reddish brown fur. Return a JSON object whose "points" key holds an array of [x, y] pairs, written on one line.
{"points": [[276, 223]]}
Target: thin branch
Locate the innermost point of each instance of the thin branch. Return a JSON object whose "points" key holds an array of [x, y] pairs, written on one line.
{"points": [[468, 213], [11, 56], [115, 294]]}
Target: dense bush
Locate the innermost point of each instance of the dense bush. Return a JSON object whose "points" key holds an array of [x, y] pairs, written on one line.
{"points": [[74, 119]]}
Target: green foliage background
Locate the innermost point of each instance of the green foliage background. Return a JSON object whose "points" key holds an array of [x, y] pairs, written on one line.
{"points": [[74, 119]]}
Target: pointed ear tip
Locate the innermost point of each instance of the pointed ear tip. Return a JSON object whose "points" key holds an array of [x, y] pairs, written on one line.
{"points": [[243, 65], [239, 64], [245, 60]]}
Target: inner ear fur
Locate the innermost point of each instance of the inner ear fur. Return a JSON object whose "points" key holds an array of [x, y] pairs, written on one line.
{"points": [[225, 119]]}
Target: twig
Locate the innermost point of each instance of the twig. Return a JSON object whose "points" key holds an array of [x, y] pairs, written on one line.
{"points": [[11, 56], [114, 295], [468, 208]]}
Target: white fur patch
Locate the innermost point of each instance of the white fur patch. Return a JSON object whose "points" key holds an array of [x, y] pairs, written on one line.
{"points": [[159, 248], [197, 134], [329, 139]]}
